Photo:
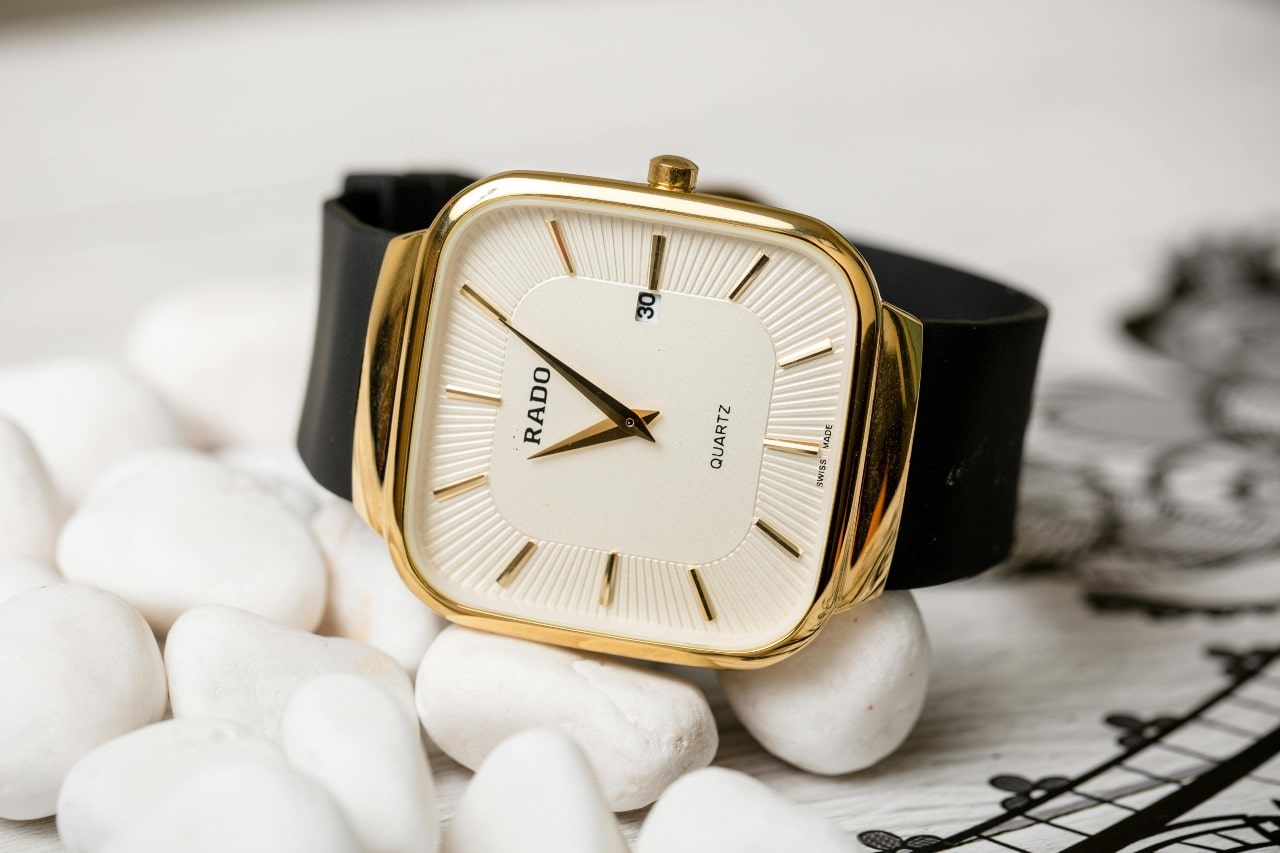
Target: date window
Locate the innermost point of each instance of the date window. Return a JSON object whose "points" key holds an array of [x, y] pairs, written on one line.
{"points": [[648, 305]]}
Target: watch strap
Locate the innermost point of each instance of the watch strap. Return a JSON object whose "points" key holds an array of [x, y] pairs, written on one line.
{"points": [[356, 228], [981, 347]]}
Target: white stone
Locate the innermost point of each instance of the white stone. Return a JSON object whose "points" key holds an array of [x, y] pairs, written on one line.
{"points": [[720, 809], [18, 574], [241, 804], [84, 415], [226, 663], [367, 600], [30, 509], [231, 357], [176, 529], [535, 793], [78, 667], [349, 736], [846, 700], [281, 470], [639, 728], [109, 789]]}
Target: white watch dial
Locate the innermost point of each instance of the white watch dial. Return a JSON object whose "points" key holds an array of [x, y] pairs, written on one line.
{"points": [[629, 426]]}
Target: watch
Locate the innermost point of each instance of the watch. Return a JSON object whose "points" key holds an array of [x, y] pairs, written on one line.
{"points": [[643, 420]]}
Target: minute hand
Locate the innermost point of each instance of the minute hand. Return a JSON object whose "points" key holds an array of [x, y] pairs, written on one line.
{"points": [[626, 419]]}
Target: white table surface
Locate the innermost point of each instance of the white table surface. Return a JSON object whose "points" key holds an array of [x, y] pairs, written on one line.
{"points": [[1066, 147]]}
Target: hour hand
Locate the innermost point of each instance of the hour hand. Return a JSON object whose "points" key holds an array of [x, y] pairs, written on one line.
{"points": [[600, 433]]}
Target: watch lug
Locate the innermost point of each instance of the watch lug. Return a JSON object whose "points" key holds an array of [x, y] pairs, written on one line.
{"points": [[377, 405], [890, 433]]}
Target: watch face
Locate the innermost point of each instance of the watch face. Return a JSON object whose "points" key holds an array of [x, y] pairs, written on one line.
{"points": [[629, 423]]}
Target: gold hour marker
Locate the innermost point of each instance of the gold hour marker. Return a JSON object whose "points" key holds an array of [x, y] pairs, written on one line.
{"points": [[655, 260], [483, 303], [809, 353], [750, 276], [448, 490], [610, 579], [456, 393], [517, 563], [558, 236], [787, 445], [699, 590], [781, 541]]}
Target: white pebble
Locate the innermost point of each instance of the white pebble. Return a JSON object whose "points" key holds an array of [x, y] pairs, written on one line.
{"points": [[367, 600], [719, 809], [78, 667], [109, 789], [18, 574], [231, 357], [349, 736], [30, 509], [535, 793], [241, 804], [176, 529], [846, 700], [639, 728], [84, 415], [281, 470], [226, 663]]}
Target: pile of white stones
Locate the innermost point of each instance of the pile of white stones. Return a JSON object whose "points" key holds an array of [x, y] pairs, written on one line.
{"points": [[152, 497]]}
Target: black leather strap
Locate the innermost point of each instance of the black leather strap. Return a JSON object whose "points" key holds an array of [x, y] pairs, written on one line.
{"points": [[357, 227], [981, 348]]}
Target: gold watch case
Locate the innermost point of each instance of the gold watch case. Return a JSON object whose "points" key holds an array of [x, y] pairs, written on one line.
{"points": [[870, 482]]}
